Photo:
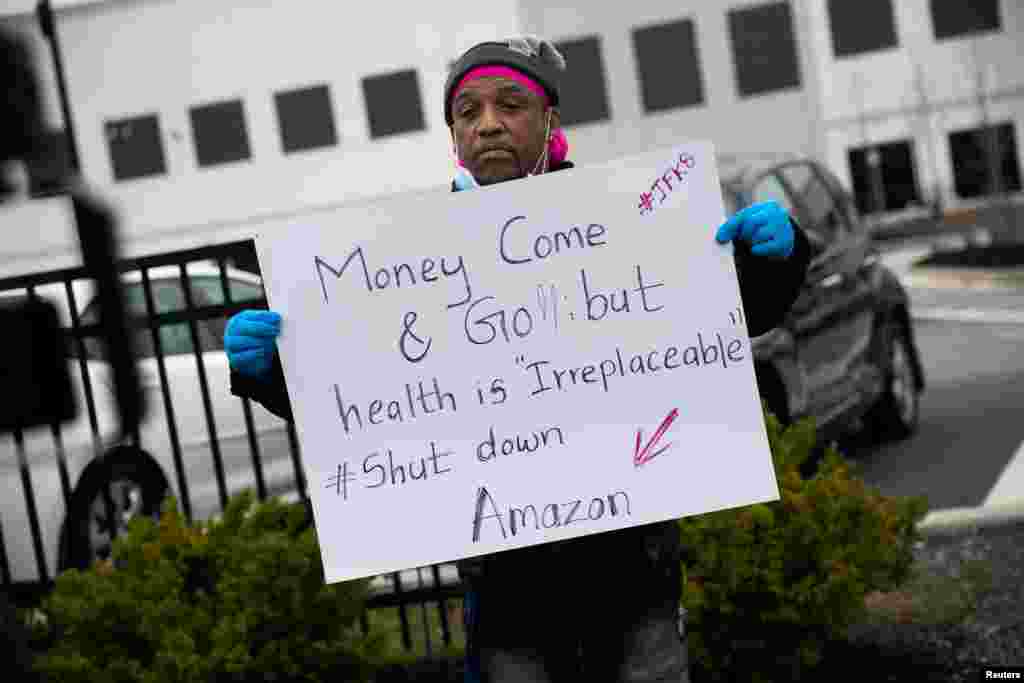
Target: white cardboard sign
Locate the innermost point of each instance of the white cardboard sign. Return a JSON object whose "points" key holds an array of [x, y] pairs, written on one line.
{"points": [[517, 364]]}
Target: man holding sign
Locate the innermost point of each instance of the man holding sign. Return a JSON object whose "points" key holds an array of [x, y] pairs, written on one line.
{"points": [[601, 607]]}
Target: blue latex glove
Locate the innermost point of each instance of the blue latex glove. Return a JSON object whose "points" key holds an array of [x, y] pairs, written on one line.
{"points": [[765, 227], [249, 341]]}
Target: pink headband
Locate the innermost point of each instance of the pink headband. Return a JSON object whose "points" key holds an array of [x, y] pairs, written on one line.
{"points": [[502, 72], [558, 146]]}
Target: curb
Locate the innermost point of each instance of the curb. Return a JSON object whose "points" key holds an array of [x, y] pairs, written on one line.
{"points": [[994, 316], [977, 279], [958, 520], [951, 277]]}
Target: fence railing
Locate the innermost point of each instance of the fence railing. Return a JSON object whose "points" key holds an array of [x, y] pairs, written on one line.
{"points": [[207, 443]]}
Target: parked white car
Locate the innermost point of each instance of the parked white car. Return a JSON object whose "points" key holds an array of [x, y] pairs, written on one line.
{"points": [[138, 476]]}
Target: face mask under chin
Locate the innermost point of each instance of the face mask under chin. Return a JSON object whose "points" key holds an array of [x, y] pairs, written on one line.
{"points": [[464, 180]]}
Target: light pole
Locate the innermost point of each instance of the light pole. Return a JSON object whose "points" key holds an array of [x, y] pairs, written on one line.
{"points": [[925, 119], [872, 156], [44, 13], [989, 138]]}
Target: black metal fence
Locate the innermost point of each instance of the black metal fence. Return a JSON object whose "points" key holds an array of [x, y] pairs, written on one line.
{"points": [[180, 303]]}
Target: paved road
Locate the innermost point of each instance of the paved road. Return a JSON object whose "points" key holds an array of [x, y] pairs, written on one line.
{"points": [[965, 305], [972, 413]]}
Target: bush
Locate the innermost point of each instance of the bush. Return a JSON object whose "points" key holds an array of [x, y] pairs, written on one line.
{"points": [[766, 586], [236, 599]]}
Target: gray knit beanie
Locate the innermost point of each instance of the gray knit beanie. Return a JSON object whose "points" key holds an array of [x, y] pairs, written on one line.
{"points": [[537, 58]]}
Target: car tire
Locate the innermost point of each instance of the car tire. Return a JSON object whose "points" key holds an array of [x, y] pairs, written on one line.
{"points": [[137, 486], [896, 414]]}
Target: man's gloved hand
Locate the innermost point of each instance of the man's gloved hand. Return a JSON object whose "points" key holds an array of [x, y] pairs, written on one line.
{"points": [[765, 227], [249, 341]]}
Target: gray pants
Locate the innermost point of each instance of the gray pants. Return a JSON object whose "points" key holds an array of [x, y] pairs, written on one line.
{"points": [[647, 652], [600, 609]]}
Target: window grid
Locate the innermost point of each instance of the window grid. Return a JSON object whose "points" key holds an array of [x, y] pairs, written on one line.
{"points": [[668, 66], [862, 26], [764, 49], [584, 89], [136, 147], [956, 19], [219, 133], [893, 186], [393, 103], [985, 160], [305, 119]]}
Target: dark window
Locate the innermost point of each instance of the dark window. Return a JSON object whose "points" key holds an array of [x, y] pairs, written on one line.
{"points": [[219, 133], [861, 26], [305, 119], [764, 49], [245, 291], [584, 93], [168, 297], [136, 147], [819, 210], [669, 65], [393, 103], [893, 186], [770, 188], [208, 289], [954, 18], [985, 161]]}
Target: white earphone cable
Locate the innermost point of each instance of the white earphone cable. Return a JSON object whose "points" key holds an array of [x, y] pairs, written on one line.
{"points": [[543, 158]]}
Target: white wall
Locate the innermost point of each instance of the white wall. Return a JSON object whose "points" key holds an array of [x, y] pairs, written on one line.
{"points": [[921, 90], [131, 57], [125, 58], [24, 7], [780, 122]]}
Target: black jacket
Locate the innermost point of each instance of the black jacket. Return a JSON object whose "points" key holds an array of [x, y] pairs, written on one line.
{"points": [[768, 288], [628, 573]]}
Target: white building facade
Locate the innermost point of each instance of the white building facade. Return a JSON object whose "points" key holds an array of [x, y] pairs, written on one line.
{"points": [[934, 87], [195, 117]]}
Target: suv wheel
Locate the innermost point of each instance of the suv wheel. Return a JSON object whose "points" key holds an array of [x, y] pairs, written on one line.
{"points": [[136, 486], [897, 412]]}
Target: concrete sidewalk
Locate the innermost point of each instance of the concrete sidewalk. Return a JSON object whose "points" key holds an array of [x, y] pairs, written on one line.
{"points": [[953, 521], [1003, 506]]}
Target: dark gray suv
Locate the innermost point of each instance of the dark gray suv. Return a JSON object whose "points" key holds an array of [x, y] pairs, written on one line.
{"points": [[846, 353]]}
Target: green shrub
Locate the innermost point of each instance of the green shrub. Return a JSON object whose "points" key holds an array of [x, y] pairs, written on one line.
{"points": [[240, 598], [767, 585]]}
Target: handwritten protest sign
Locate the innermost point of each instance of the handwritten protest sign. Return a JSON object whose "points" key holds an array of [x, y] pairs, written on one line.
{"points": [[521, 363]]}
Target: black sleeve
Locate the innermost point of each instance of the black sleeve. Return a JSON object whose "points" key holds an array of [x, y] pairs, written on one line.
{"points": [[769, 286], [269, 391]]}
